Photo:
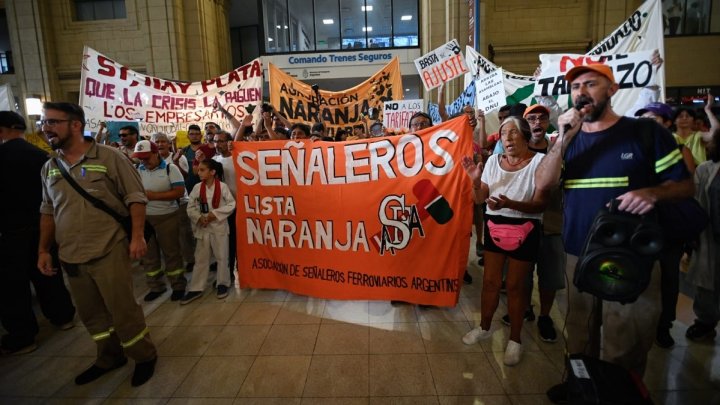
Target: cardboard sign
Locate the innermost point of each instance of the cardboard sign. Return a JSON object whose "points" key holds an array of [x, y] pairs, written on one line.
{"points": [[631, 70], [441, 65], [380, 218], [397, 114], [490, 91]]}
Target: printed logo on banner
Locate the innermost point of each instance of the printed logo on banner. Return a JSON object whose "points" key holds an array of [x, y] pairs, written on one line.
{"points": [[441, 65]]}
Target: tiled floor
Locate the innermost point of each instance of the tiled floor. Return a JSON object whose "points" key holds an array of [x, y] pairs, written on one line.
{"points": [[273, 347]]}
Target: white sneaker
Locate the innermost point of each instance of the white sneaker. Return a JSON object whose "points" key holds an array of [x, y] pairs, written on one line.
{"points": [[513, 352], [476, 335]]}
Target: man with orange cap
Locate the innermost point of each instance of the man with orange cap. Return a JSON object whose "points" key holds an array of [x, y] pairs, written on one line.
{"points": [[601, 158]]}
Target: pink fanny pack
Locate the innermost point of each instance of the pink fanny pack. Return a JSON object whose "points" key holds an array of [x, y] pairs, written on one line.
{"points": [[509, 237]]}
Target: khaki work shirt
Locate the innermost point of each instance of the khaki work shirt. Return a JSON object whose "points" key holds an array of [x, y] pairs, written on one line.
{"points": [[82, 231]]}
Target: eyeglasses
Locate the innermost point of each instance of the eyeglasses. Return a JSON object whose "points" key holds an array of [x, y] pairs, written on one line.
{"points": [[531, 118], [51, 122], [420, 125]]}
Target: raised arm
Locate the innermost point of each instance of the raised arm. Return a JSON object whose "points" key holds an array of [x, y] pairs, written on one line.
{"points": [[233, 121], [548, 172], [714, 123], [239, 132], [441, 103]]}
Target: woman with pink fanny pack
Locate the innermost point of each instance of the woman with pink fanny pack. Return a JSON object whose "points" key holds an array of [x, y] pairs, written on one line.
{"points": [[512, 228]]}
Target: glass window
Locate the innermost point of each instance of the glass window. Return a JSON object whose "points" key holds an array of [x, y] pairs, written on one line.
{"points": [[90, 10], [352, 13], [276, 26], [690, 17], [302, 31], [405, 23], [318, 25], [379, 18], [327, 25]]}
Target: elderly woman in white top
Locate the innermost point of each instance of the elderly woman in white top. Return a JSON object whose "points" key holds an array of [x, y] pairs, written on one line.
{"points": [[512, 228]]}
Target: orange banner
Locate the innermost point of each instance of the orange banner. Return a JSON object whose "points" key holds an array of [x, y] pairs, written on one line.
{"points": [[378, 219], [336, 109]]}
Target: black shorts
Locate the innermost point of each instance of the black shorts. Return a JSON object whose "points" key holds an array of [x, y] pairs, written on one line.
{"points": [[528, 249]]}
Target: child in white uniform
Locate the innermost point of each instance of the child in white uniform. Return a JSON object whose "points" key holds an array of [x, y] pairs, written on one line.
{"points": [[210, 204]]}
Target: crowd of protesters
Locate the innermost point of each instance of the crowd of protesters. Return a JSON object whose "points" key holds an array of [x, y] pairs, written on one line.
{"points": [[532, 183]]}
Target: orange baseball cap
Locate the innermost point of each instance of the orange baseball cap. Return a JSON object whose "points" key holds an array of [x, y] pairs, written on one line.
{"points": [[536, 108], [599, 68]]}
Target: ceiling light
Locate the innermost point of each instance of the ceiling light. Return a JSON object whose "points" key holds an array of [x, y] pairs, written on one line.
{"points": [[367, 29], [328, 21], [278, 27], [366, 8], [270, 39], [286, 27], [406, 18], [33, 105]]}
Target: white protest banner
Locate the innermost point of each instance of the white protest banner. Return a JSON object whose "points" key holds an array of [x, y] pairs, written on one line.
{"points": [[631, 70], [396, 114], [490, 91], [110, 91], [642, 31], [441, 65]]}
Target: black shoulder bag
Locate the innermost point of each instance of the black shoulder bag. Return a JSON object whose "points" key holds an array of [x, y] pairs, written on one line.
{"points": [[125, 221], [684, 219]]}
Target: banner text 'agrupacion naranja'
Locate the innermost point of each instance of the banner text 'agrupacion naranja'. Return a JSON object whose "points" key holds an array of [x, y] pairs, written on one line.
{"points": [[335, 109], [378, 219]]}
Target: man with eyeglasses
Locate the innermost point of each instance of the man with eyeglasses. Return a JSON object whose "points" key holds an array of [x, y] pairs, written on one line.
{"points": [[93, 247], [420, 121], [20, 165], [128, 139]]}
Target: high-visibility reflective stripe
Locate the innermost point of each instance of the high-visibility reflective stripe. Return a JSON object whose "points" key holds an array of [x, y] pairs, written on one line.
{"points": [[103, 335], [175, 272], [135, 339], [669, 160], [600, 182], [54, 172], [153, 273], [95, 168]]}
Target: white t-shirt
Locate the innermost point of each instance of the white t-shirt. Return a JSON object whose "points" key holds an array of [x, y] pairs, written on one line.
{"points": [[518, 186], [228, 172]]}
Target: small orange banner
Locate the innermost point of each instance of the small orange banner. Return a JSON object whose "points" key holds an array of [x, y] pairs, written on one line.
{"points": [[378, 219], [297, 101]]}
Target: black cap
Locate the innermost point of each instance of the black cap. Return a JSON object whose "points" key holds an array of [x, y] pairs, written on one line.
{"points": [[13, 120]]}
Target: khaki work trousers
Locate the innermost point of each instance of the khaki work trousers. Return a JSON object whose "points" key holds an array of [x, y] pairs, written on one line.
{"points": [[103, 292], [165, 242]]}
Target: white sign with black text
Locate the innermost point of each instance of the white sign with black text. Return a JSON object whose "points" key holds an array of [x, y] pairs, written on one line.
{"points": [[490, 91]]}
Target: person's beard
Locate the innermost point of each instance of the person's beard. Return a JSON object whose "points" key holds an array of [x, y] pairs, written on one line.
{"points": [[598, 110]]}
